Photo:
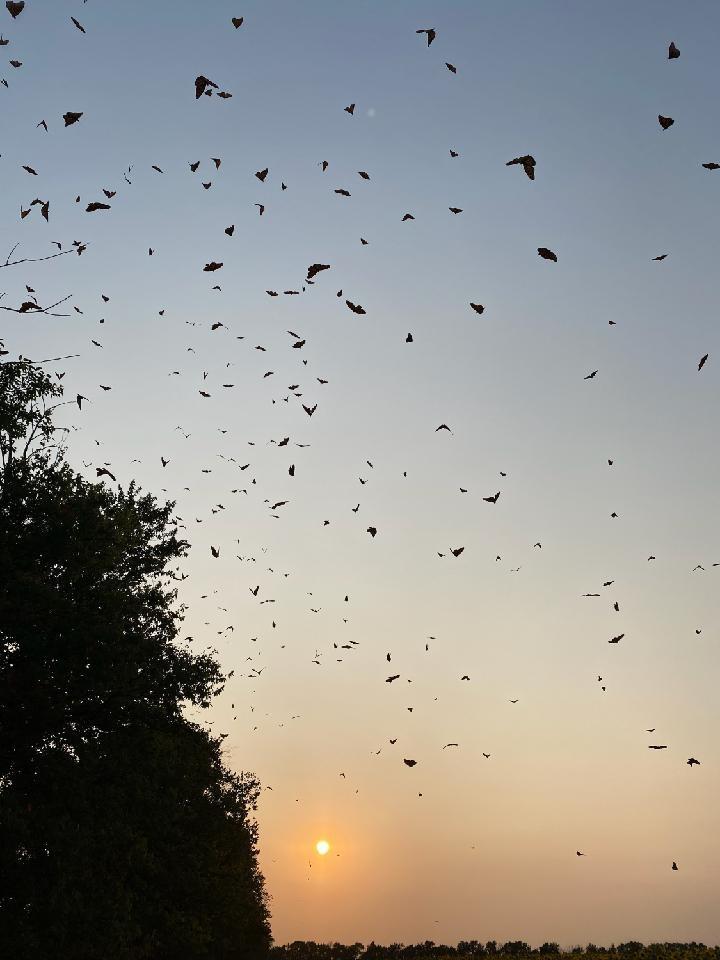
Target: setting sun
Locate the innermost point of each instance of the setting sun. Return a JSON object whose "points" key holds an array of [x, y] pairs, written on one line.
{"points": [[322, 847]]}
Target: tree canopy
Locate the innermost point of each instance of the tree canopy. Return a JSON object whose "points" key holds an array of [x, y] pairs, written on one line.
{"points": [[122, 832]]}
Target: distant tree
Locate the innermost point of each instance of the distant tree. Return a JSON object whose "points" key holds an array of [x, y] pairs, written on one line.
{"points": [[310, 950], [351, 951], [122, 833], [375, 951], [300, 950], [470, 948], [515, 948]]}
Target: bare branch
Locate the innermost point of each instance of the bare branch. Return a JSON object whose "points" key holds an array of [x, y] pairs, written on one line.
{"points": [[50, 256], [37, 310], [36, 426], [70, 356]]}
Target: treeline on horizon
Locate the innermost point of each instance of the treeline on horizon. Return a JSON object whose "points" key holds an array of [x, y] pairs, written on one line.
{"points": [[517, 949]]}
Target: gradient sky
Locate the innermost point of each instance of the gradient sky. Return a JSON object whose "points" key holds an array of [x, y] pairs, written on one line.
{"points": [[488, 850]]}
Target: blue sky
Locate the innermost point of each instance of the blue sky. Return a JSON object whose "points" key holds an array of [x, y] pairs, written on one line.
{"points": [[579, 86]]}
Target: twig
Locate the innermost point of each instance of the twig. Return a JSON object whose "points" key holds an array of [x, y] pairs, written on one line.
{"points": [[50, 256], [70, 356], [45, 310]]}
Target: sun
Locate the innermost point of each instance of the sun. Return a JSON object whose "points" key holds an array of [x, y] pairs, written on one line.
{"points": [[322, 847]]}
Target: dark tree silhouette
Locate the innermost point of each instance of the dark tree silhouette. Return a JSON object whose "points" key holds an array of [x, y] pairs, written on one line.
{"points": [[122, 833], [300, 950]]}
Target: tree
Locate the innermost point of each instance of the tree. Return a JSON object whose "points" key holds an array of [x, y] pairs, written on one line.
{"points": [[122, 833], [309, 950], [470, 948]]}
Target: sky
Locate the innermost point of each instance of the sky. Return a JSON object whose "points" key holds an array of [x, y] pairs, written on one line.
{"points": [[460, 846]]}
